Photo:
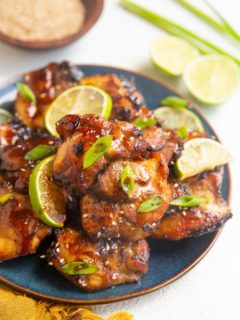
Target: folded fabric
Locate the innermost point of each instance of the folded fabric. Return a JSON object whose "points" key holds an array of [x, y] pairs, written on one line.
{"points": [[14, 306]]}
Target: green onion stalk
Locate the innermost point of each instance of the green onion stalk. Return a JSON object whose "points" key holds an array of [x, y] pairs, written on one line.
{"points": [[223, 26], [175, 29]]}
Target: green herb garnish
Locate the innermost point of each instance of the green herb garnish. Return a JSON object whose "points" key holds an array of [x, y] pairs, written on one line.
{"points": [[188, 201], [40, 152], [150, 204], [182, 133], [96, 151], [143, 123], [174, 102], [26, 92], [5, 116], [6, 197], [79, 267], [127, 179]]}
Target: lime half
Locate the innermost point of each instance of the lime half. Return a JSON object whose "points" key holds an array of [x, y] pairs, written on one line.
{"points": [[46, 197], [174, 118], [78, 100], [199, 155], [172, 54], [211, 78]]}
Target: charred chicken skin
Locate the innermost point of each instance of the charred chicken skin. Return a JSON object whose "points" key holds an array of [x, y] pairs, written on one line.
{"points": [[116, 261], [207, 217]]}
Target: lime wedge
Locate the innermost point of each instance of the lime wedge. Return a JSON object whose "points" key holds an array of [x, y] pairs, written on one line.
{"points": [[5, 116], [172, 54], [175, 118], [46, 197], [211, 78], [78, 100], [199, 155]]}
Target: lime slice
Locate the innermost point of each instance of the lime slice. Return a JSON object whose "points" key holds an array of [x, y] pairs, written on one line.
{"points": [[175, 118], [199, 155], [46, 197], [172, 54], [78, 100], [5, 116], [211, 78]]}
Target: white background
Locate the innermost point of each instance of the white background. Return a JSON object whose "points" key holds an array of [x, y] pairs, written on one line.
{"points": [[212, 289]]}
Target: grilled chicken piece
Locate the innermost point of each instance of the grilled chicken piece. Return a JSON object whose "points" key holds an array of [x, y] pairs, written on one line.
{"points": [[21, 232], [16, 141], [128, 103], [192, 222], [80, 133], [46, 83], [119, 216], [117, 261]]}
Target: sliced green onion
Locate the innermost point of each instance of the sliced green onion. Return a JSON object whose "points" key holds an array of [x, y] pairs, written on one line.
{"points": [[97, 150], [127, 179], [39, 152], [5, 116], [79, 267], [182, 133], [143, 123], [6, 197], [26, 92], [188, 201], [150, 204], [174, 102]]}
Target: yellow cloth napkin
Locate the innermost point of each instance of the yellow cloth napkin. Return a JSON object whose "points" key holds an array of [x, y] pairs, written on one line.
{"points": [[14, 306]]}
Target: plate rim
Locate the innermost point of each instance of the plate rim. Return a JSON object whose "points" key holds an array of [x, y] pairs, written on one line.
{"points": [[176, 276]]}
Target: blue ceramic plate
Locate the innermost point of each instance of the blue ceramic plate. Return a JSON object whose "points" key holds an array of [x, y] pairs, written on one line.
{"points": [[169, 260]]}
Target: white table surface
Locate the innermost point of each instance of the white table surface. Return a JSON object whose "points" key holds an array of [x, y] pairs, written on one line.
{"points": [[211, 291]]}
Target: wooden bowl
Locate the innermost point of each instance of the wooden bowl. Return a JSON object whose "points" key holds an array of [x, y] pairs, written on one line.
{"points": [[93, 11]]}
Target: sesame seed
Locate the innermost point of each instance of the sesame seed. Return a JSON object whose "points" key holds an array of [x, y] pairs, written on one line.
{"points": [[50, 263], [99, 234], [114, 223], [107, 262], [131, 205], [111, 215], [42, 256], [184, 213], [85, 215], [57, 250], [115, 276]]}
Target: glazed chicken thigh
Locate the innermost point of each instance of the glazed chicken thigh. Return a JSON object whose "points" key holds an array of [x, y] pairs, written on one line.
{"points": [[46, 84], [182, 223], [16, 140], [115, 261], [106, 209], [21, 232]]}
